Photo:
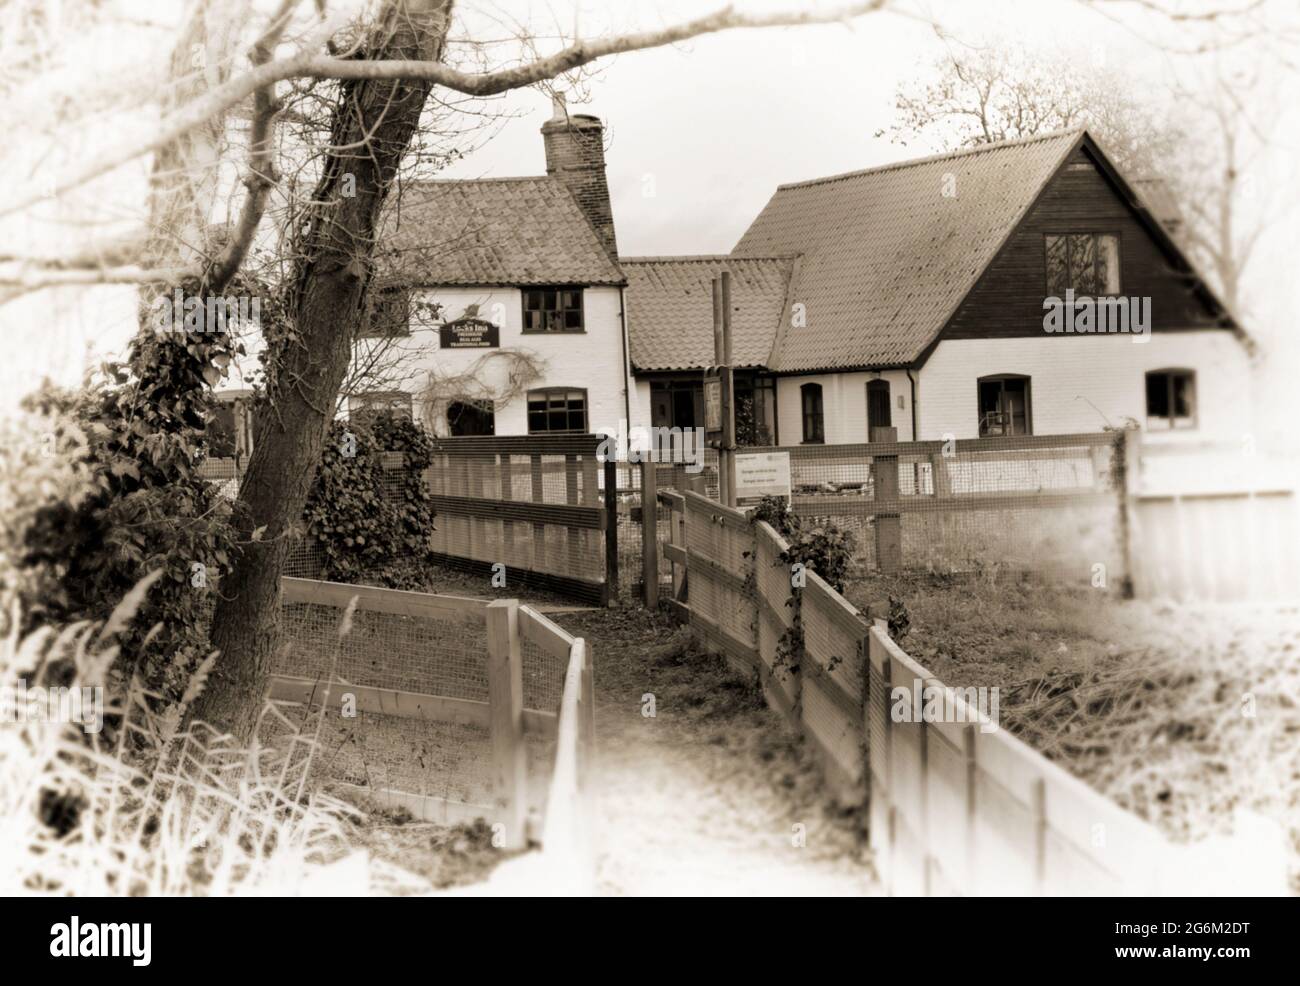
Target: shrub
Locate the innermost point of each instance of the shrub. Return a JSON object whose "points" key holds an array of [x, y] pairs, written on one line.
{"points": [[369, 522], [816, 543]]}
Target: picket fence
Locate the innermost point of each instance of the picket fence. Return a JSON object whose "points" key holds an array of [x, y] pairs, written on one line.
{"points": [[956, 806]]}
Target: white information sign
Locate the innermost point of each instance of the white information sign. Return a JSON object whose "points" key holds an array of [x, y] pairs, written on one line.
{"points": [[760, 474]]}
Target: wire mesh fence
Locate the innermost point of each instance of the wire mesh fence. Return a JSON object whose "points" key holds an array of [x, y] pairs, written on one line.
{"points": [[1048, 504]]}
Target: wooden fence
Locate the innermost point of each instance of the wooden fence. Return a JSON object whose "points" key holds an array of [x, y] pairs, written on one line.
{"points": [[542, 506], [514, 653], [956, 805]]}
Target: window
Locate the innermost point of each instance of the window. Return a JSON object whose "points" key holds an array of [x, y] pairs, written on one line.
{"points": [[553, 310], [389, 314], [879, 413], [755, 410], [1171, 399], [557, 410], [1004, 406], [364, 408], [810, 395], [471, 418], [1086, 262]]}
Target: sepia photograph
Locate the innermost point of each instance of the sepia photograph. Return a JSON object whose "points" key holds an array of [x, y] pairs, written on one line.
{"points": [[650, 448]]}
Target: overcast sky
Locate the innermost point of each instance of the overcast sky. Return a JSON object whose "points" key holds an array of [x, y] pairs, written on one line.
{"points": [[701, 134]]}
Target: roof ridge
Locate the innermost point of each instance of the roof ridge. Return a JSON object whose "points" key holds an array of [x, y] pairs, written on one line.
{"points": [[704, 258], [932, 158], [420, 182]]}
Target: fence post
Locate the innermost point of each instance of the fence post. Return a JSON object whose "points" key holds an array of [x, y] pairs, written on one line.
{"points": [[1129, 455], [611, 530], [649, 535], [889, 528], [506, 718]]}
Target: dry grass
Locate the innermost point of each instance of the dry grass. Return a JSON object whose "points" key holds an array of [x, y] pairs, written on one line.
{"points": [[1181, 713], [146, 808]]}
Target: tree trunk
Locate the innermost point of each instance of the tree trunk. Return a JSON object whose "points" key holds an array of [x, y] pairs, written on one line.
{"points": [[373, 123]]}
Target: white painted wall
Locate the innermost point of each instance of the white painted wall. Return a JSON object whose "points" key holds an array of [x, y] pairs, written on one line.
{"points": [[1079, 383], [844, 405], [592, 360]]}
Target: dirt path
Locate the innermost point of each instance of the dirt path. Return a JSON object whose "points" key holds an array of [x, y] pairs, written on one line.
{"points": [[710, 795]]}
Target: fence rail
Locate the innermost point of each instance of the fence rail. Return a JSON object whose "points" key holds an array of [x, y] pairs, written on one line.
{"points": [[956, 806], [494, 698]]}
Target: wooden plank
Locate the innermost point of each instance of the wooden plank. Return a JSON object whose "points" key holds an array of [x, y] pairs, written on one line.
{"points": [[649, 536], [675, 554], [406, 705], [507, 493], [579, 589], [423, 807], [561, 515], [566, 842], [518, 444], [611, 530], [506, 701], [831, 505], [539, 496], [452, 609], [717, 572], [544, 633], [572, 536]]}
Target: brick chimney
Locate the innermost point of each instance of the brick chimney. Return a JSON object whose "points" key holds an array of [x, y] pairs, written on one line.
{"points": [[575, 153]]}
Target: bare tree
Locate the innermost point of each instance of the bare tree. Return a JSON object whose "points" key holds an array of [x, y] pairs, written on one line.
{"points": [[376, 74]]}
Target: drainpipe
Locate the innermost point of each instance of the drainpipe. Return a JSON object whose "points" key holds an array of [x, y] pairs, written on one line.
{"points": [[912, 380], [628, 382]]}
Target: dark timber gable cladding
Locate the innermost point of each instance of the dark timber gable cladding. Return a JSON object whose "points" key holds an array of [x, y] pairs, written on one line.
{"points": [[1007, 300], [896, 258]]}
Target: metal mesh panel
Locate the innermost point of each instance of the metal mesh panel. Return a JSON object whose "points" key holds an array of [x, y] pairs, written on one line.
{"points": [[383, 650], [1034, 503]]}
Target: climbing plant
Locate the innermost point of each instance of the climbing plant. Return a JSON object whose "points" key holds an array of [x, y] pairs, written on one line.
{"points": [[371, 522]]}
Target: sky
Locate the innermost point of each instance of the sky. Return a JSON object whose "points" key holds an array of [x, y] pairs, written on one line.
{"points": [[701, 133]]}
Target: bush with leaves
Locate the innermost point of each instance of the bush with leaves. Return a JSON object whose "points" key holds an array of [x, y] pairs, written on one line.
{"points": [[816, 543], [366, 528], [135, 438]]}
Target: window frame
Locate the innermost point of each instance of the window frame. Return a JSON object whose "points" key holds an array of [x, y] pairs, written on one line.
{"points": [[1097, 234], [819, 415], [1171, 372], [1002, 378], [559, 289], [586, 410]]}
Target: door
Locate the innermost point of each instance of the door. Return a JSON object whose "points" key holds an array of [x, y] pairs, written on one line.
{"points": [[878, 412]]}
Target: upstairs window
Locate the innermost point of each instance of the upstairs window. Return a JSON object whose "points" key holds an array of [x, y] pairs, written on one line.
{"points": [[557, 410], [814, 428], [1086, 262], [1171, 400], [1004, 406], [553, 310], [388, 316], [365, 407]]}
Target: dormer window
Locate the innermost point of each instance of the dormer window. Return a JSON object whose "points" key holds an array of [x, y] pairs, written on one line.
{"points": [[553, 309], [1087, 263]]}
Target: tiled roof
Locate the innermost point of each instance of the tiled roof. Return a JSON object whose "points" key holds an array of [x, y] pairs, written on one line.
{"points": [[670, 309], [887, 256], [490, 231]]}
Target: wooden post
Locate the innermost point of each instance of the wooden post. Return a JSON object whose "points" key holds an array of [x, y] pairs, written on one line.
{"points": [[611, 531], [1130, 455], [507, 527], [539, 495], [649, 536], [727, 454], [506, 719], [889, 527], [574, 536]]}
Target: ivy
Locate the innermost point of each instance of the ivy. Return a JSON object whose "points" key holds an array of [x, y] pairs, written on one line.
{"points": [[145, 508], [372, 522]]}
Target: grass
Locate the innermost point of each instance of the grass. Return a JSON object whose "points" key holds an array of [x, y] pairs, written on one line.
{"points": [[1183, 714], [146, 808]]}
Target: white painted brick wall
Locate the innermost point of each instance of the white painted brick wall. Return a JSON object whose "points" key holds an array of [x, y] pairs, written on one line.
{"points": [[844, 405], [1078, 383], [592, 360]]}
